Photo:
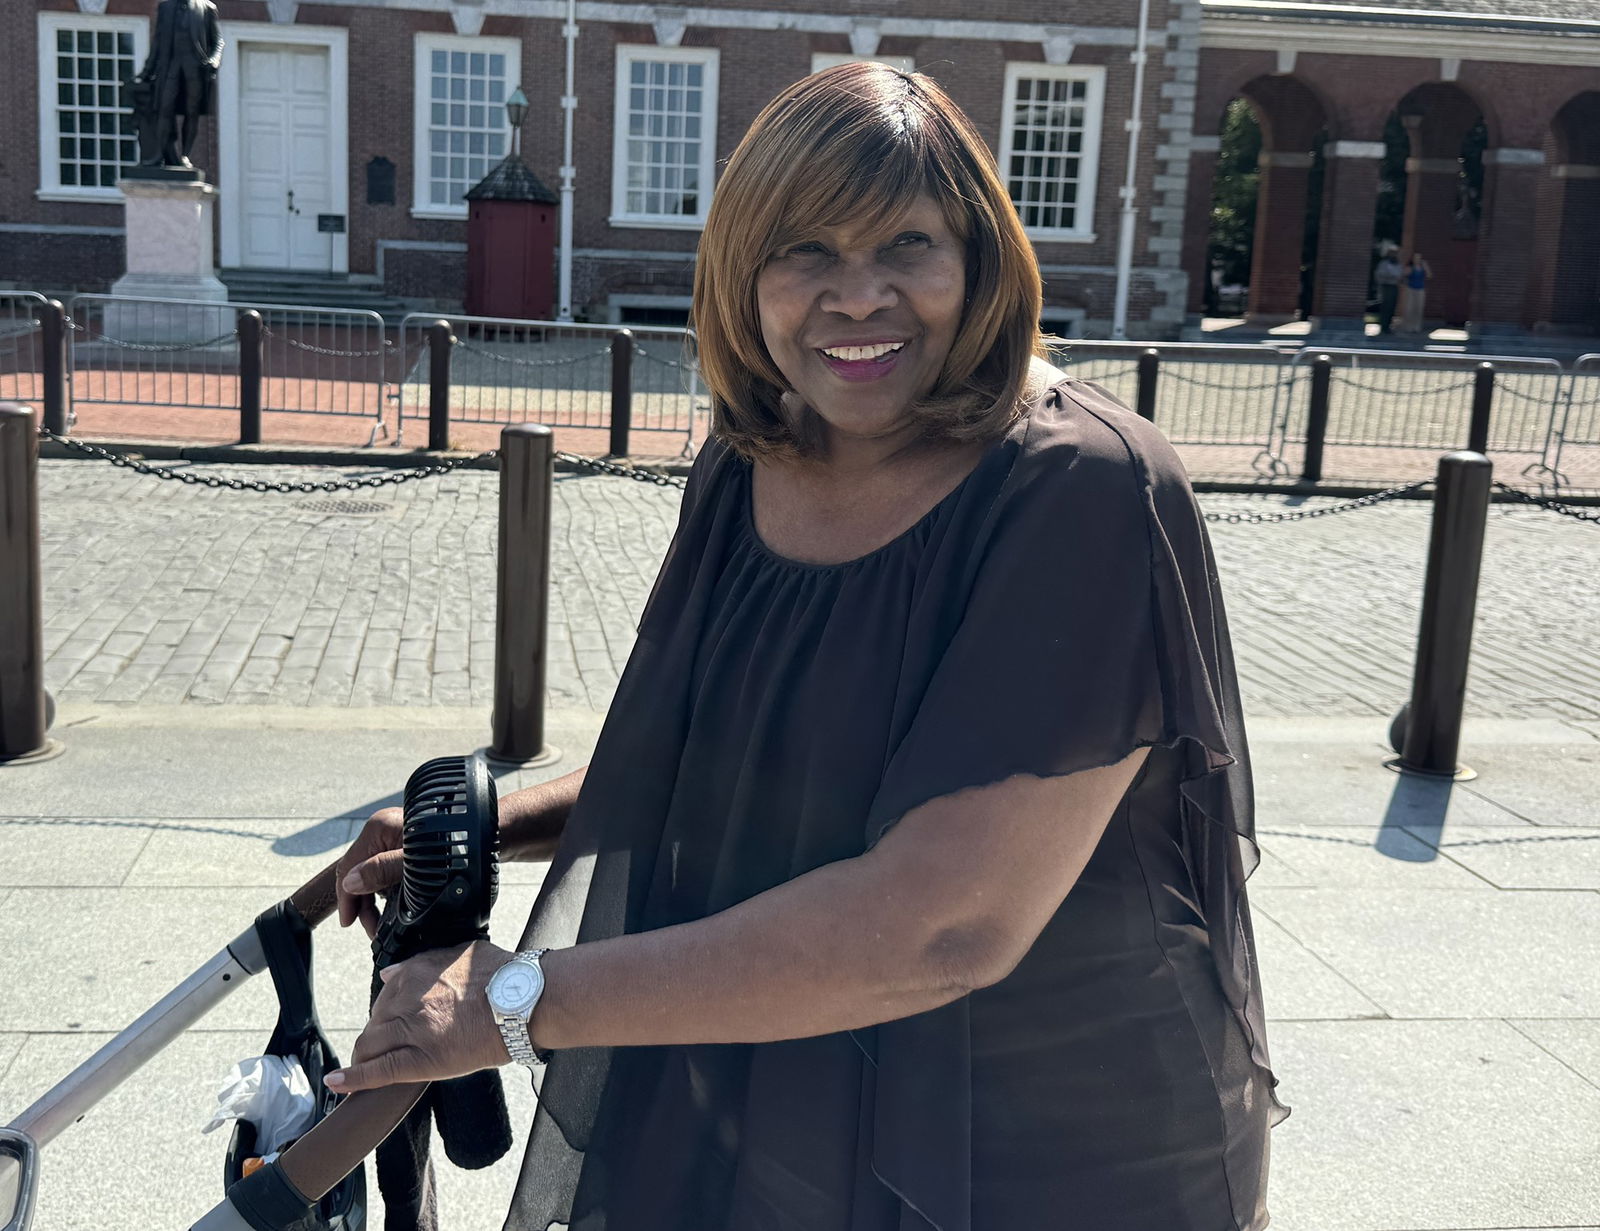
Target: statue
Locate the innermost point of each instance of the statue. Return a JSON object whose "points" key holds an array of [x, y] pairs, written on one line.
{"points": [[178, 83]]}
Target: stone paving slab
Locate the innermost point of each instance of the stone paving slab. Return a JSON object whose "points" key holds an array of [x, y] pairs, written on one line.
{"points": [[1575, 1043], [1514, 858], [141, 1153], [191, 595], [1452, 953], [1418, 1126], [94, 959], [1370, 856], [1298, 985]]}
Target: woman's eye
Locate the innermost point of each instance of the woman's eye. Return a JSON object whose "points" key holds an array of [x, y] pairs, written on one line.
{"points": [[910, 239], [804, 249]]}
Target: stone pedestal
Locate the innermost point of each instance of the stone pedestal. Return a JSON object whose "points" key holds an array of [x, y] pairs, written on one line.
{"points": [[170, 257]]}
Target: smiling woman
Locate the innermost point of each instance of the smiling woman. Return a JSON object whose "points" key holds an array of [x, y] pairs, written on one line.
{"points": [[904, 889]]}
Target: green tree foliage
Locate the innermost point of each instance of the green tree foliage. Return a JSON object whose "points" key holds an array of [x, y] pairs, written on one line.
{"points": [[1233, 202]]}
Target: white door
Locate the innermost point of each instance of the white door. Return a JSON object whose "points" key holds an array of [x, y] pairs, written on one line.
{"points": [[286, 154]]}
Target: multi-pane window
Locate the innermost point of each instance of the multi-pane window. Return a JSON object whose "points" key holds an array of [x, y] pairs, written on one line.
{"points": [[1050, 146], [462, 86], [87, 137], [666, 122]]}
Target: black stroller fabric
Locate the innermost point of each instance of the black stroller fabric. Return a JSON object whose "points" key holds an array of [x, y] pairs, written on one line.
{"points": [[286, 938], [474, 1127]]}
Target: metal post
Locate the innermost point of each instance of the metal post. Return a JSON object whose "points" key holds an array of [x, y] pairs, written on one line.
{"points": [[527, 473], [1449, 602], [53, 339], [1149, 375], [23, 719], [1482, 403], [1317, 420], [440, 340], [251, 332], [621, 390]]}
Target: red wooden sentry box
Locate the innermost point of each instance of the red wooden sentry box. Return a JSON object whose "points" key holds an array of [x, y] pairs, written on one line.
{"points": [[511, 244]]}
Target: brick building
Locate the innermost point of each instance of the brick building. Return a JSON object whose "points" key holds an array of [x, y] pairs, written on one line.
{"points": [[1495, 108], [386, 111], [383, 112]]}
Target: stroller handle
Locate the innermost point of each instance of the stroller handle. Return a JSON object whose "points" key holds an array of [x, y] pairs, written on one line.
{"points": [[316, 898]]}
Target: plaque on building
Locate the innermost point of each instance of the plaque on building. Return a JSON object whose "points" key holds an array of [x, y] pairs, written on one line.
{"points": [[380, 181]]}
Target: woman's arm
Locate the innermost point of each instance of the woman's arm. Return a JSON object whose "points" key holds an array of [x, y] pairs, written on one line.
{"points": [[531, 820], [949, 901]]}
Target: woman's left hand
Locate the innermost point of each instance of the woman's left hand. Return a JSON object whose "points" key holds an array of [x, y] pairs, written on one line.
{"points": [[430, 1022]]}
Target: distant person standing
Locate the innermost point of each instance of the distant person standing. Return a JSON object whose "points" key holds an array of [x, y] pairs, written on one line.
{"points": [[1417, 273], [1387, 275]]}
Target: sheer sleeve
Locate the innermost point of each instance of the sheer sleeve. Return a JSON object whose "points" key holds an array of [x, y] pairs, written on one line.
{"points": [[1093, 625]]}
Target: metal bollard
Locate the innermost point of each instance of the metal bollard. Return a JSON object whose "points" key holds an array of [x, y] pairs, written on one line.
{"points": [[527, 472], [1149, 375], [621, 391], [440, 340], [23, 714], [251, 334], [1317, 417], [1432, 726], [1482, 403], [53, 331]]}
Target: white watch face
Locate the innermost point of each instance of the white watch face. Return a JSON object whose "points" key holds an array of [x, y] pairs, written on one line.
{"points": [[515, 987]]}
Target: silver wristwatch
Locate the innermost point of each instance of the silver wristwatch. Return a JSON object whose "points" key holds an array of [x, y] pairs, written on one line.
{"points": [[513, 992]]}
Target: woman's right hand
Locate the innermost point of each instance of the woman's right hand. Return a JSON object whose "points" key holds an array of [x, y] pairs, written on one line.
{"points": [[373, 862]]}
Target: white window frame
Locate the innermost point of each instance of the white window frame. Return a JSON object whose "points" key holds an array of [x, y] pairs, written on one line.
{"points": [[424, 45], [708, 58], [50, 24], [832, 59], [1082, 232]]}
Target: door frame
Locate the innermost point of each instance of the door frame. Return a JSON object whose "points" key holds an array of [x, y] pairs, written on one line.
{"points": [[230, 135]]}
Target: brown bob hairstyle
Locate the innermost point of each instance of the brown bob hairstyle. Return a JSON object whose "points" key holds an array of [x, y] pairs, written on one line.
{"points": [[851, 145]]}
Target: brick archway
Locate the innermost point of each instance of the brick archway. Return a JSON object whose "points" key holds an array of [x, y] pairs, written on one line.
{"points": [[1565, 291], [1441, 209], [1293, 121]]}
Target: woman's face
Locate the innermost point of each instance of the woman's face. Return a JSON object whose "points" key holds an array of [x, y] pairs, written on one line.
{"points": [[859, 320]]}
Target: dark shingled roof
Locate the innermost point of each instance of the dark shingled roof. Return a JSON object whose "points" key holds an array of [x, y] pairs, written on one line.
{"points": [[511, 181], [1524, 14]]}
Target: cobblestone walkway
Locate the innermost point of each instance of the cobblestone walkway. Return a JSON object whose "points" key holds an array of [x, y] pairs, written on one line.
{"points": [[161, 593]]}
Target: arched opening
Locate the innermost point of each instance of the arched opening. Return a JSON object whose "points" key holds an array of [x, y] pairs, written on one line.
{"points": [[1430, 197], [1266, 200], [1567, 288]]}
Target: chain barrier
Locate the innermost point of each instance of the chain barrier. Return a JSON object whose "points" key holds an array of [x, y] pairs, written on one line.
{"points": [[596, 465], [259, 485], [1383, 392], [1501, 387], [1254, 519], [25, 329], [163, 348], [528, 363], [324, 350], [1555, 506], [666, 363], [1276, 382], [1126, 369]]}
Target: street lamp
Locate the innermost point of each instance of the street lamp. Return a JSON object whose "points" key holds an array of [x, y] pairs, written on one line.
{"points": [[516, 112]]}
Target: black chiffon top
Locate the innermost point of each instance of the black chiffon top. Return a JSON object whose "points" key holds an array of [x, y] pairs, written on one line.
{"points": [[1055, 611]]}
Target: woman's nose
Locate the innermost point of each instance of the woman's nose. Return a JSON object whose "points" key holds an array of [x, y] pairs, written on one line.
{"points": [[858, 291]]}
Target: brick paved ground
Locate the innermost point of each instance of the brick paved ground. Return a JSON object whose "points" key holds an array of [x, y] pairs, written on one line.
{"points": [[162, 593]]}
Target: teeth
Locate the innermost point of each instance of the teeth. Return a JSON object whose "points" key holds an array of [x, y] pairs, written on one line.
{"points": [[854, 354]]}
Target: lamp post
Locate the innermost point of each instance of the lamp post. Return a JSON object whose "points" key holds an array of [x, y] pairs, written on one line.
{"points": [[516, 112]]}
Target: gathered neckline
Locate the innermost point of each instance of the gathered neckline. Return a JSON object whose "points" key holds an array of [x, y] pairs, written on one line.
{"points": [[748, 516]]}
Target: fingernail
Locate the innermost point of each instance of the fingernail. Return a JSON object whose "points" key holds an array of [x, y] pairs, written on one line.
{"points": [[351, 882], [334, 1080]]}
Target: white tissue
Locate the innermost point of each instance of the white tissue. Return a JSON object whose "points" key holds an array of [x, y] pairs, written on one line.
{"points": [[273, 1093]]}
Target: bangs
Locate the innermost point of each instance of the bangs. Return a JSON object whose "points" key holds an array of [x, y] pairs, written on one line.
{"points": [[865, 166]]}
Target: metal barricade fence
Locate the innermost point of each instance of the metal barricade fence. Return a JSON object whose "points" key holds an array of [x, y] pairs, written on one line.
{"points": [[1224, 399], [1575, 422], [129, 351], [505, 370], [1421, 400], [21, 361]]}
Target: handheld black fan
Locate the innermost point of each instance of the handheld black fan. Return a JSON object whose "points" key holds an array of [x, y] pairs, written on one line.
{"points": [[451, 844]]}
